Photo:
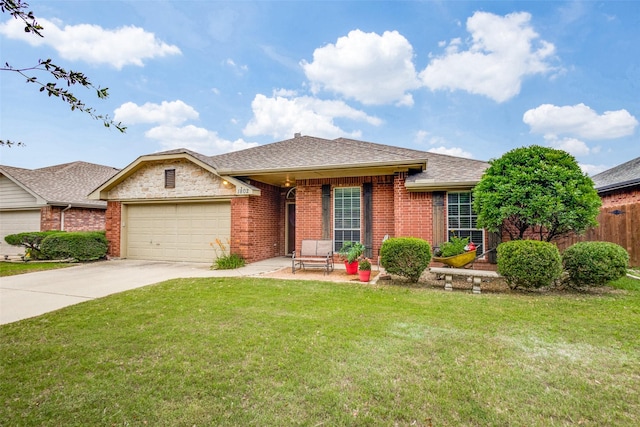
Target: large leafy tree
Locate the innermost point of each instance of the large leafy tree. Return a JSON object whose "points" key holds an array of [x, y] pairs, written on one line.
{"points": [[19, 10], [537, 192]]}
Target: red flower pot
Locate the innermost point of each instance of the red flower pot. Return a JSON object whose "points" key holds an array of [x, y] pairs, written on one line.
{"points": [[365, 275], [352, 268]]}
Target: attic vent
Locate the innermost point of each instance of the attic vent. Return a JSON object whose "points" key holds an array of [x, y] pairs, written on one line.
{"points": [[169, 178]]}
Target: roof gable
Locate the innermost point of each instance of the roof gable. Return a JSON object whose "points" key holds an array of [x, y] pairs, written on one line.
{"points": [[101, 192]]}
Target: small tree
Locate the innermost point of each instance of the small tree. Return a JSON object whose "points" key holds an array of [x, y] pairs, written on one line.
{"points": [[536, 191]]}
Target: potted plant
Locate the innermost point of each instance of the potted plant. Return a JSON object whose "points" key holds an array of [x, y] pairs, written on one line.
{"points": [[457, 252], [364, 270], [350, 252]]}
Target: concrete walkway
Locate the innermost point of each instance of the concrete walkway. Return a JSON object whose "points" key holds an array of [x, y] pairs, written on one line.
{"points": [[28, 295]]}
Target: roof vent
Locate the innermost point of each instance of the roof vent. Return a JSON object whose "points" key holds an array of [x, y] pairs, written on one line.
{"points": [[297, 135]]}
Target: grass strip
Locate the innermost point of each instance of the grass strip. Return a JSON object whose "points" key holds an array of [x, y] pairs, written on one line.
{"points": [[13, 268]]}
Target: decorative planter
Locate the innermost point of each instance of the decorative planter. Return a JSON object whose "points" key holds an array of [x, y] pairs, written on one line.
{"points": [[352, 268], [365, 275], [457, 261]]}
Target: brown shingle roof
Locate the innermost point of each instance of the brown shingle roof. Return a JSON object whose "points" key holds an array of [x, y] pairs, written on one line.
{"points": [[68, 183], [624, 175], [445, 169], [309, 152]]}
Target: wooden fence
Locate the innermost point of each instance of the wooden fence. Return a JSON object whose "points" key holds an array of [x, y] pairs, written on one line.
{"points": [[617, 224]]}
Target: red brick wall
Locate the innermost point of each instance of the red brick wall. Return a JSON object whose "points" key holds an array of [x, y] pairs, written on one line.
{"points": [[257, 224], [620, 197], [75, 219], [413, 211], [308, 210], [50, 218], [309, 207], [383, 214], [113, 218]]}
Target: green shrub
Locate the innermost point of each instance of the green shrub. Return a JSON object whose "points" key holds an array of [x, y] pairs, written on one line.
{"points": [[78, 245], [529, 263], [31, 241], [595, 263], [229, 262], [405, 256]]}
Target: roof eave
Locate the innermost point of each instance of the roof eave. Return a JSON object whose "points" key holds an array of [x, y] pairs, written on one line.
{"points": [[398, 165], [87, 205], [439, 185], [618, 186]]}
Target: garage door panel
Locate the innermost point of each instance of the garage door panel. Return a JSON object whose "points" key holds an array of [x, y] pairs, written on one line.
{"points": [[177, 232], [13, 222]]}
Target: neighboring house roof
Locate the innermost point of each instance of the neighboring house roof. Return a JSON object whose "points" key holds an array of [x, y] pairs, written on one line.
{"points": [[61, 185], [621, 176]]}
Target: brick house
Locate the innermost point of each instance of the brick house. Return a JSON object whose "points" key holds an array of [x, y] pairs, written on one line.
{"points": [[263, 201], [50, 198], [619, 218], [619, 185]]}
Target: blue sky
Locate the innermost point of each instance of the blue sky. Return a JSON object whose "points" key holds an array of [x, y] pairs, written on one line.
{"points": [[471, 79]]}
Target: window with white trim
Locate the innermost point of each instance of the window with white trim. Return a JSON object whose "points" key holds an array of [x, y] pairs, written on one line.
{"points": [[462, 221], [346, 216]]}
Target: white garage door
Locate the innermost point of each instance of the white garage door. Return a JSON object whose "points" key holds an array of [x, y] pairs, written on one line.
{"points": [[176, 232], [12, 222]]}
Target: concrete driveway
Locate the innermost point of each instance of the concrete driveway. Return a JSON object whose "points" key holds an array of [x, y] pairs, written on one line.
{"points": [[28, 295]]}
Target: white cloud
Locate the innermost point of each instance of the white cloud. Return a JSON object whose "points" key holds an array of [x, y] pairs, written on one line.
{"points": [[239, 69], [281, 117], [502, 51], [579, 121], [570, 145], [592, 169], [195, 138], [167, 113], [287, 93], [93, 44], [423, 136], [367, 67], [454, 151]]}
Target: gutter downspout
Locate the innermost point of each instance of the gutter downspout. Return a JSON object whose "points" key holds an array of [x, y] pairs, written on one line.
{"points": [[62, 217]]}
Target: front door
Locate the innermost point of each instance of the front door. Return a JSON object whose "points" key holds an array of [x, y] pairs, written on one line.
{"points": [[291, 227]]}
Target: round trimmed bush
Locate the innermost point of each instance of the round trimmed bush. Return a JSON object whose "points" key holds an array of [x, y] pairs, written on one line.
{"points": [[79, 245], [405, 256], [595, 263], [529, 263]]}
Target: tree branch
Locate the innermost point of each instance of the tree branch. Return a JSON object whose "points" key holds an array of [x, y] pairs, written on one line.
{"points": [[17, 9]]}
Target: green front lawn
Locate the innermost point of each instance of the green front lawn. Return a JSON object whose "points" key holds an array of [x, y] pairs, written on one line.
{"points": [[13, 268], [269, 352]]}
